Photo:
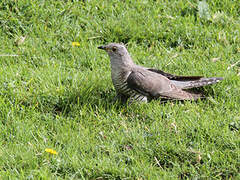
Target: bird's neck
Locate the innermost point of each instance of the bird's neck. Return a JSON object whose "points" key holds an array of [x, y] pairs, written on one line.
{"points": [[120, 69], [122, 63]]}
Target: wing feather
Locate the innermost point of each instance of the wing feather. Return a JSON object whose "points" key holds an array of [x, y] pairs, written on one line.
{"points": [[155, 85], [175, 77]]}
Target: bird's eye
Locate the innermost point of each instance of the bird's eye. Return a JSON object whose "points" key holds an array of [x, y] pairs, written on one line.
{"points": [[114, 49]]}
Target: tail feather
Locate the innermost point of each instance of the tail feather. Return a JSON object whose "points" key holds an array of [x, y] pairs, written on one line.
{"points": [[182, 95], [197, 83]]}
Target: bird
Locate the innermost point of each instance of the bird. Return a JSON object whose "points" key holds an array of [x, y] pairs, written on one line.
{"points": [[138, 83]]}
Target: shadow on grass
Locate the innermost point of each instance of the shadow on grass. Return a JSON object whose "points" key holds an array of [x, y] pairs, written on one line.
{"points": [[74, 99]]}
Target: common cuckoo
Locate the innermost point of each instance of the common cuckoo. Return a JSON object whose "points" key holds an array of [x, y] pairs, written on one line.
{"points": [[144, 84]]}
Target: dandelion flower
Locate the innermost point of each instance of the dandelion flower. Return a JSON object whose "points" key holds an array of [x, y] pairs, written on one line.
{"points": [[75, 44], [51, 151]]}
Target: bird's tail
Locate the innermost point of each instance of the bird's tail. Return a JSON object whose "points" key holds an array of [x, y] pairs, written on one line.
{"points": [[181, 95], [197, 83]]}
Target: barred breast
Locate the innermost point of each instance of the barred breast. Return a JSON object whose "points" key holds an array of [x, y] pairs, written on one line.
{"points": [[119, 81]]}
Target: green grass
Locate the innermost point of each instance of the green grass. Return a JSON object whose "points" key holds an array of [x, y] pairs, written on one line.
{"points": [[54, 95]]}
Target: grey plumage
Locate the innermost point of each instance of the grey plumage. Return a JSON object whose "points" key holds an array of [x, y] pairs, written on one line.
{"points": [[143, 84]]}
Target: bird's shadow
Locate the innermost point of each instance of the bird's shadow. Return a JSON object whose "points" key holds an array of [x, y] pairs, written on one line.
{"points": [[96, 98], [93, 101]]}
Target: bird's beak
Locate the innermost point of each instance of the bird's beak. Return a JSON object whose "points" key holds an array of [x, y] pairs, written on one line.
{"points": [[102, 47]]}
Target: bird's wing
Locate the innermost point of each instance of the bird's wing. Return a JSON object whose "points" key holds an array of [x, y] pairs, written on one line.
{"points": [[155, 85], [175, 77], [188, 82]]}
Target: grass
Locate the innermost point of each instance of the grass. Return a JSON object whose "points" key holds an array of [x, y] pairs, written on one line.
{"points": [[55, 95]]}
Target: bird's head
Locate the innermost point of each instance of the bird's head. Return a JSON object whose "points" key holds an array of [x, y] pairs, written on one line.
{"points": [[117, 53]]}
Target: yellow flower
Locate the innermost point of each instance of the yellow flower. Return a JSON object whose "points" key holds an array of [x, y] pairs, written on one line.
{"points": [[51, 151], [75, 44]]}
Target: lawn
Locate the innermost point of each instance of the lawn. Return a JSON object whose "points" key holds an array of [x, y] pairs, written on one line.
{"points": [[56, 90]]}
